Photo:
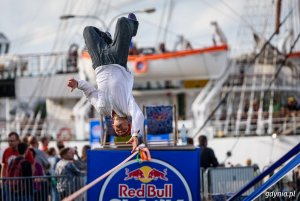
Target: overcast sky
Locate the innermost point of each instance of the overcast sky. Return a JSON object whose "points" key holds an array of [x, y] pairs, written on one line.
{"points": [[33, 26]]}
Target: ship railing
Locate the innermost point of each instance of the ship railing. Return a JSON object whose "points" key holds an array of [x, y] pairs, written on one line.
{"points": [[280, 125], [52, 188], [219, 131], [12, 66], [277, 117], [52, 127], [238, 80]]}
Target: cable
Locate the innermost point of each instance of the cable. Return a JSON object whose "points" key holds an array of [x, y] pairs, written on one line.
{"points": [[220, 11], [61, 26], [161, 21], [237, 14], [33, 21], [283, 61], [169, 17], [77, 31]]}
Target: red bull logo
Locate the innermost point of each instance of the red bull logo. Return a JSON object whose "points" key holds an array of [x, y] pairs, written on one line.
{"points": [[146, 174], [153, 181]]}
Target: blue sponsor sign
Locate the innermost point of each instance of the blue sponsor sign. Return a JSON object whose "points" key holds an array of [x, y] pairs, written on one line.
{"points": [[158, 138], [172, 175], [95, 132]]}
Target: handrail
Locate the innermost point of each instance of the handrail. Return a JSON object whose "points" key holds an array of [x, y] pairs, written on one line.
{"points": [[39, 177], [276, 177], [34, 64], [197, 107], [278, 163]]}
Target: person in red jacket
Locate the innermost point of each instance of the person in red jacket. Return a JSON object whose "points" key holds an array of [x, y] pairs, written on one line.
{"points": [[11, 153]]}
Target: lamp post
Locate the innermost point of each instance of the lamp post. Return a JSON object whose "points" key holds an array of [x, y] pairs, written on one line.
{"points": [[65, 17], [147, 10]]}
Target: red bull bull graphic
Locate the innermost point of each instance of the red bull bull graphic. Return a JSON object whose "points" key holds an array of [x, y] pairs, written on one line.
{"points": [[151, 174], [136, 174], [155, 180], [156, 174]]}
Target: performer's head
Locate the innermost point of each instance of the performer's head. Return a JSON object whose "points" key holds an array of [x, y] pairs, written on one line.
{"points": [[121, 125]]}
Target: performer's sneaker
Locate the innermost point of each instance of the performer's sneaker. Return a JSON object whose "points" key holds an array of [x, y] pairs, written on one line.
{"points": [[132, 16], [133, 23]]}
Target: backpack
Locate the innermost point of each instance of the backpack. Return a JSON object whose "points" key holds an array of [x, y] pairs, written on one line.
{"points": [[15, 170]]}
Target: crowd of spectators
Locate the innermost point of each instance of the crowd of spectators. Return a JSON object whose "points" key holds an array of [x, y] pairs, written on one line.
{"points": [[43, 171]]}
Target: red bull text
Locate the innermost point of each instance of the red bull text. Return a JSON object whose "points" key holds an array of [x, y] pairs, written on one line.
{"points": [[145, 191], [145, 174]]}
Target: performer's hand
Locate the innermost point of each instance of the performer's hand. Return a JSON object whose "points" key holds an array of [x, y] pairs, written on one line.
{"points": [[72, 84], [134, 142]]}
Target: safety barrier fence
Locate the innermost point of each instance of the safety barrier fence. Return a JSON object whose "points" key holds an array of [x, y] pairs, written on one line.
{"points": [[40, 188], [216, 184], [202, 170], [219, 183]]}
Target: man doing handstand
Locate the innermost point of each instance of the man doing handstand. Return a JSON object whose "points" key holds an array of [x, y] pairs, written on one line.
{"points": [[113, 96]]}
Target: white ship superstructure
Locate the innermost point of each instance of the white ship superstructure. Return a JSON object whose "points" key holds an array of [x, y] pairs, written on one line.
{"points": [[253, 110]]}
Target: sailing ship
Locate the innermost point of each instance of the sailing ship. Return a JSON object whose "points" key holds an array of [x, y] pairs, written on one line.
{"points": [[237, 100]]}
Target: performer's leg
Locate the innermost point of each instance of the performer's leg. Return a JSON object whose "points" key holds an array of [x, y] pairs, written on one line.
{"points": [[125, 30], [96, 41]]}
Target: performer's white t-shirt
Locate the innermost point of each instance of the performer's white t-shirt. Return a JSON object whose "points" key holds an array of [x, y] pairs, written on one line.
{"points": [[114, 92]]}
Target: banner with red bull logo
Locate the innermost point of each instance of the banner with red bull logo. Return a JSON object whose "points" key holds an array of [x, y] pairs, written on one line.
{"points": [[172, 175]]}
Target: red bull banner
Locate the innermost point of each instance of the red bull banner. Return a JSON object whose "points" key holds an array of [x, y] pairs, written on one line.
{"points": [[169, 176]]}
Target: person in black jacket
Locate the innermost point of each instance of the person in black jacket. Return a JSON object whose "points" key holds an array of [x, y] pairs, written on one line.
{"points": [[207, 155]]}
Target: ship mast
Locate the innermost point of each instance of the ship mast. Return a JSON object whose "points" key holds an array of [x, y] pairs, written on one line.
{"points": [[277, 19]]}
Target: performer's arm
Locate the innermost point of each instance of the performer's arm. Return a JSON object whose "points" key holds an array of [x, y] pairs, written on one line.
{"points": [[137, 128], [92, 94]]}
